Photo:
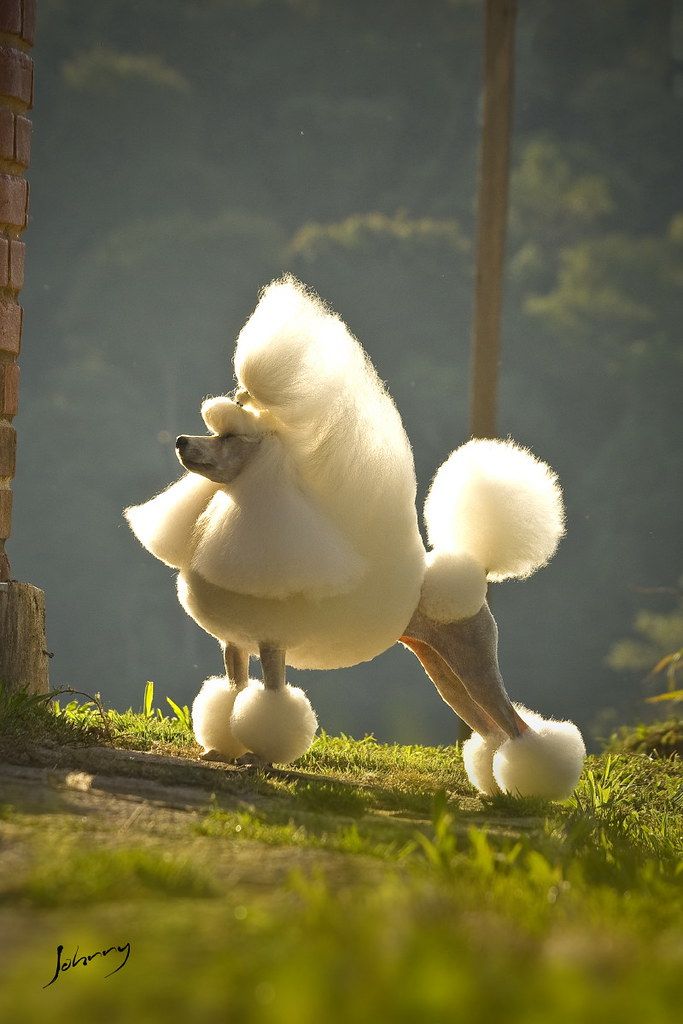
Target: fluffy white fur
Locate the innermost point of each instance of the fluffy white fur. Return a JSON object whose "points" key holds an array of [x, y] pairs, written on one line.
{"points": [[315, 545], [477, 755], [278, 725], [165, 524], [500, 504], [545, 761], [298, 360], [222, 415], [454, 586], [211, 711], [264, 536]]}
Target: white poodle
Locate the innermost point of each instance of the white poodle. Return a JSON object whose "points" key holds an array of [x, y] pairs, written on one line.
{"points": [[296, 538]]}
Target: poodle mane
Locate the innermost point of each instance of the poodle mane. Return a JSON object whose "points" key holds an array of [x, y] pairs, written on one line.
{"points": [[332, 475]]}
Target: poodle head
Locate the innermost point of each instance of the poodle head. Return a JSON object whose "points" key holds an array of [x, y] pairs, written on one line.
{"points": [[236, 432], [219, 458]]}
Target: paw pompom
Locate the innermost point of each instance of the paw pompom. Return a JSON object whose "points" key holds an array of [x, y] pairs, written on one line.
{"points": [[454, 587], [500, 504], [278, 725], [211, 711], [477, 755], [545, 761]]}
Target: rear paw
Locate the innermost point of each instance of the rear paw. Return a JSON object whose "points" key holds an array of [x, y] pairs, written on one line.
{"points": [[477, 755]]}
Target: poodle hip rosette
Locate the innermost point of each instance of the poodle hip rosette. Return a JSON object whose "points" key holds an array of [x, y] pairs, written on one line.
{"points": [[295, 535]]}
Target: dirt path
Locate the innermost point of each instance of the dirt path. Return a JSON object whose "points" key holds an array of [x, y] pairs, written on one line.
{"points": [[119, 798]]}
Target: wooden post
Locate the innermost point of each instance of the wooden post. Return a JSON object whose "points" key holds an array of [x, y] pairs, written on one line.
{"points": [[492, 203], [23, 657]]}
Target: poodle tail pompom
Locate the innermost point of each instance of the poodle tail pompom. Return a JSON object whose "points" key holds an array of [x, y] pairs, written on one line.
{"points": [[211, 711], [278, 725], [498, 503], [545, 761]]}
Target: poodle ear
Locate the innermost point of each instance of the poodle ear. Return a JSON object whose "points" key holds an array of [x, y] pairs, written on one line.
{"points": [[164, 524]]}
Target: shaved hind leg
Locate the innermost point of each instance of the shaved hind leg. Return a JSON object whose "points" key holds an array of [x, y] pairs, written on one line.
{"points": [[451, 689]]}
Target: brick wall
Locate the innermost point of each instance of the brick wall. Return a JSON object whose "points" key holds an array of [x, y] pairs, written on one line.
{"points": [[17, 24]]}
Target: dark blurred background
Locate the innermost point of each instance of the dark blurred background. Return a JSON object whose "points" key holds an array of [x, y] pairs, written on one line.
{"points": [[187, 151]]}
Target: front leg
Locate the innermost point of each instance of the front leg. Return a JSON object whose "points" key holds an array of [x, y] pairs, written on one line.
{"points": [[236, 665], [273, 666], [274, 720], [273, 669]]}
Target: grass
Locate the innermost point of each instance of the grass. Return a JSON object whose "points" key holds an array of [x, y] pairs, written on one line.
{"points": [[370, 883], [663, 738], [101, 875], [44, 719]]}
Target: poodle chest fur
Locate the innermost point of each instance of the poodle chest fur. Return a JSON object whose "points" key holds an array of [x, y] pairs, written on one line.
{"points": [[334, 632]]}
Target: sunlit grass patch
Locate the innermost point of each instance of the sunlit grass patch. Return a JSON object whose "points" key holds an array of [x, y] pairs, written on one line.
{"points": [[626, 811], [33, 718], [303, 829], [73, 876], [160, 733], [49, 718], [332, 798], [152, 728], [507, 805], [402, 777]]}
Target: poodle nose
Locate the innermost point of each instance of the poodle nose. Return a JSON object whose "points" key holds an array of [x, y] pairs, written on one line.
{"points": [[181, 442]]}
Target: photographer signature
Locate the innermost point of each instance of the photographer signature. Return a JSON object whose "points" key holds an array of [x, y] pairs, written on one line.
{"points": [[66, 964]]}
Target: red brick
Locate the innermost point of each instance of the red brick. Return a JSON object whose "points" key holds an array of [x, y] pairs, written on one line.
{"points": [[11, 17], [22, 140], [16, 254], [16, 75], [28, 21], [5, 513], [10, 327], [7, 135], [9, 389], [5, 271], [13, 201], [8, 449]]}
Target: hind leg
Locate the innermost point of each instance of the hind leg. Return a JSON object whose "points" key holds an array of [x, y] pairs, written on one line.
{"points": [[478, 751]]}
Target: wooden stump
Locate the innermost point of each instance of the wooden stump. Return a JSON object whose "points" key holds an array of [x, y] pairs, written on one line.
{"points": [[23, 650]]}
